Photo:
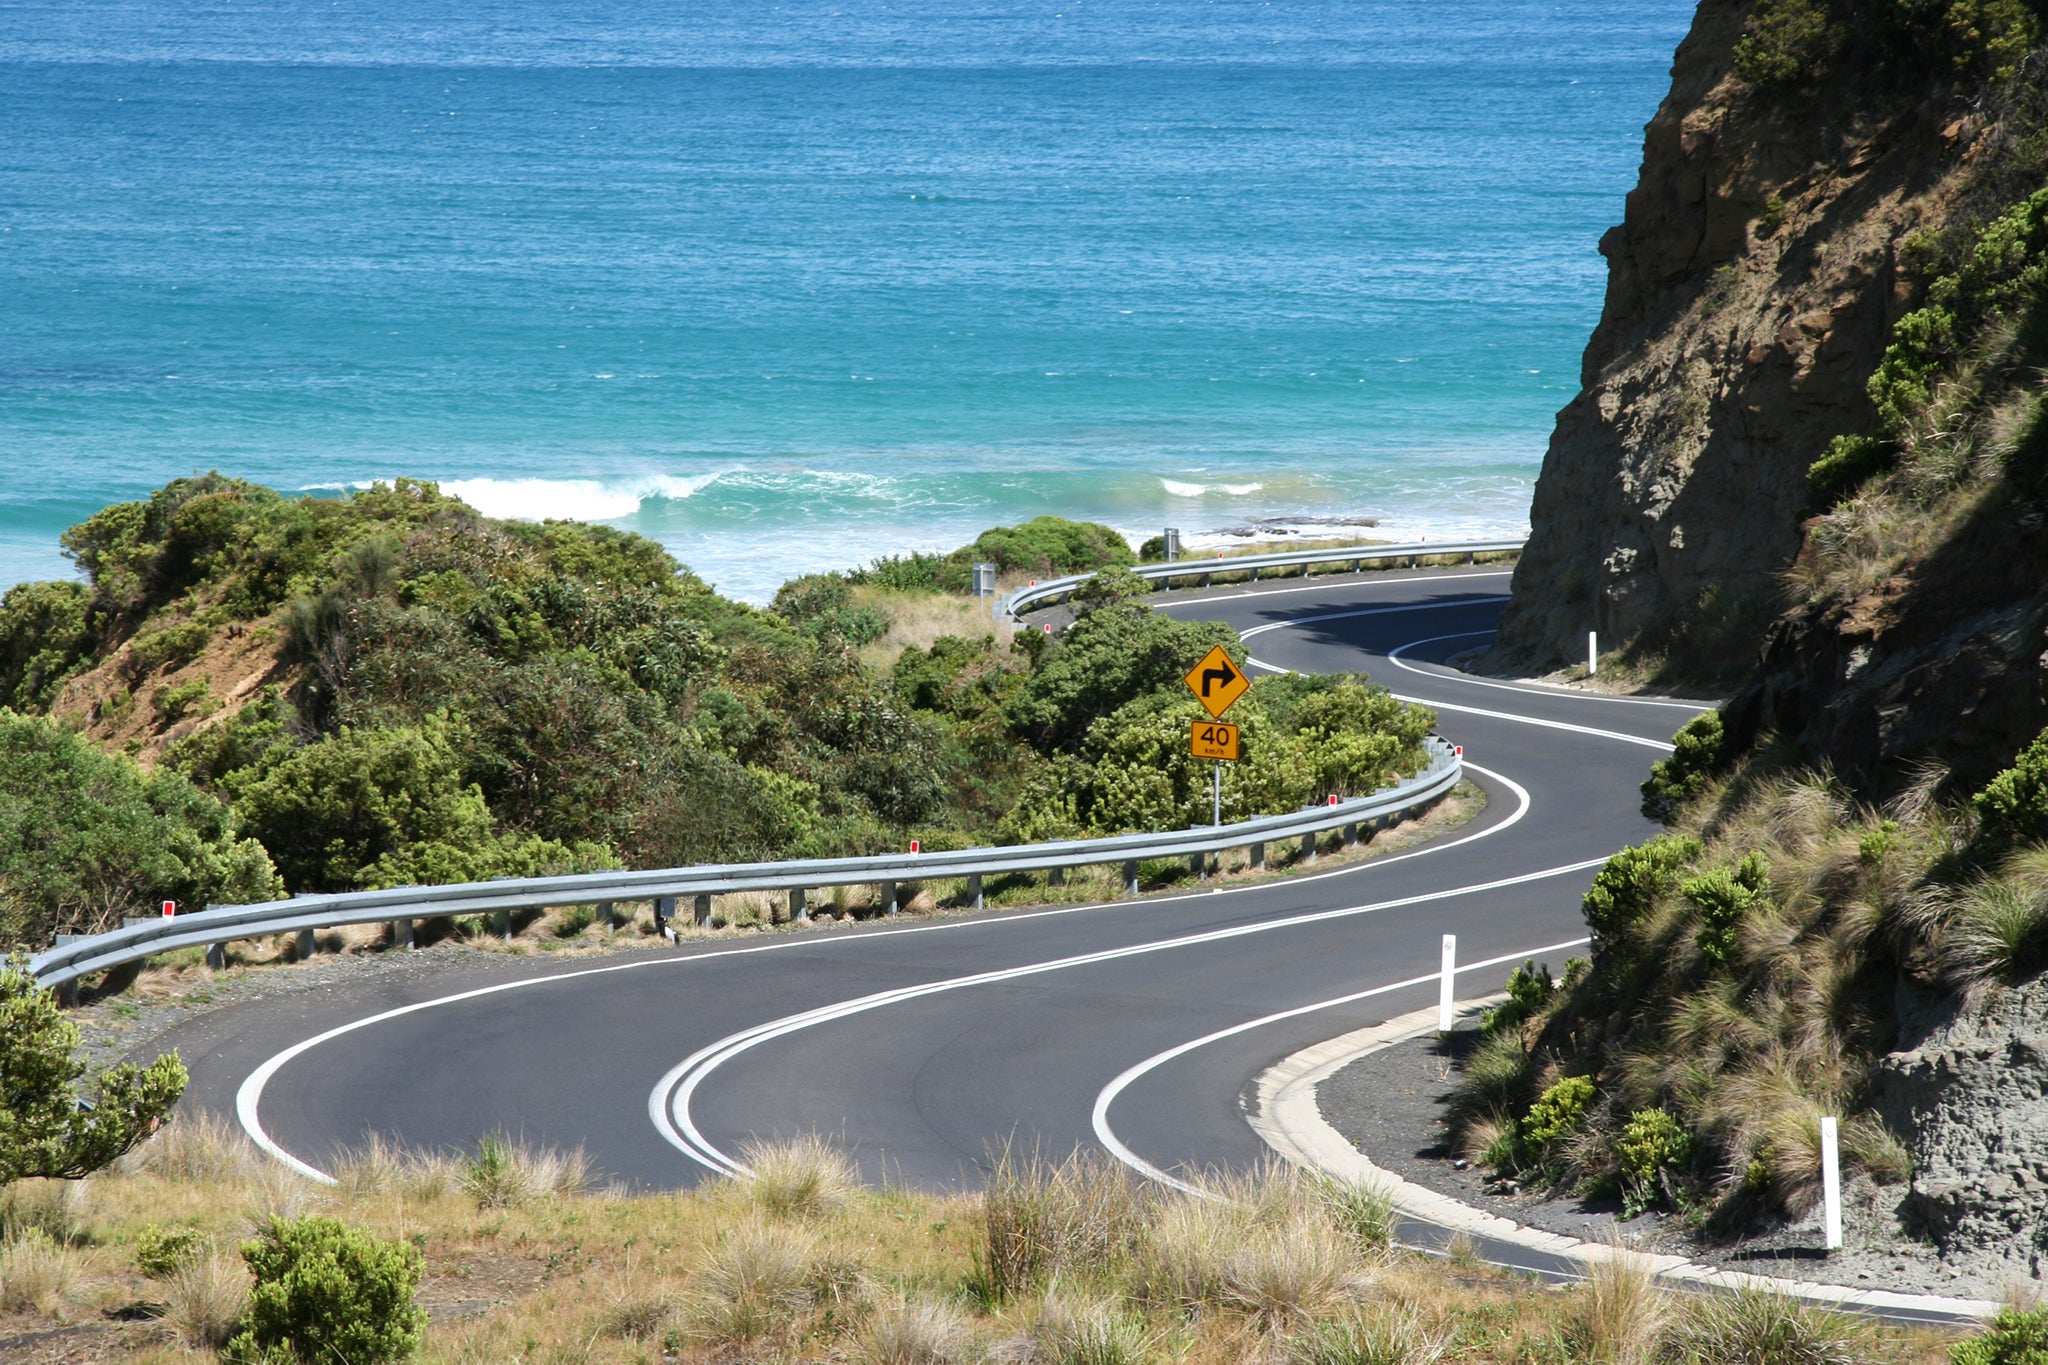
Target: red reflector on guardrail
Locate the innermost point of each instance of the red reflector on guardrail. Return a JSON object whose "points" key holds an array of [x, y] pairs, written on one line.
{"points": [[916, 846], [170, 909], [1458, 749]]}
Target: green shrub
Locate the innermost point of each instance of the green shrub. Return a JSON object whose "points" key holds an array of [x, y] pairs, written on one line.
{"points": [[1696, 755], [1724, 896], [1498, 1078], [86, 837], [1784, 42], [1558, 1112], [1653, 1147], [173, 644], [45, 634], [186, 698], [1628, 887], [161, 1252], [2013, 807], [2017, 1336], [1850, 462], [325, 1292], [1529, 990]]}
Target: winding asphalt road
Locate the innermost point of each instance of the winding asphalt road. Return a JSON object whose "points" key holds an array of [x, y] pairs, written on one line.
{"points": [[1136, 1026]]}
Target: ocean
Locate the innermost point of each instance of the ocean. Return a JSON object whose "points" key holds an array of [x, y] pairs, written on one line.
{"points": [[790, 286]]}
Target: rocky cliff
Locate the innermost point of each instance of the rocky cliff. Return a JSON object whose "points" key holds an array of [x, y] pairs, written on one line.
{"points": [[1776, 234]]}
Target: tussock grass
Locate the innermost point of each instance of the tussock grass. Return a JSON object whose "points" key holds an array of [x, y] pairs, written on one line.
{"points": [[200, 1149], [204, 1299], [36, 1274], [1618, 1315], [1759, 1327], [915, 1331], [380, 1167], [502, 1173], [1283, 1267], [804, 1177]]}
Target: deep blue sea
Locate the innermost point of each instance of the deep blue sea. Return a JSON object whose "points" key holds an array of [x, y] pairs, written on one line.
{"points": [[786, 286]]}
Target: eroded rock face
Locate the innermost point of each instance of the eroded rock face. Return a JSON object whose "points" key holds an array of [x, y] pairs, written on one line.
{"points": [[1752, 285], [1970, 1098]]}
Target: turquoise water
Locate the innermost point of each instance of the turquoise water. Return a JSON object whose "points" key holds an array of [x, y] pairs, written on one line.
{"points": [[788, 286]]}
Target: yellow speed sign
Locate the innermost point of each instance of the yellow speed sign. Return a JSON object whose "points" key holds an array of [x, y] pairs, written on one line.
{"points": [[1214, 739]]}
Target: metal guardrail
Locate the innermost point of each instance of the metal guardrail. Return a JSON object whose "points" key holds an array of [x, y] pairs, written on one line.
{"points": [[79, 957], [1038, 594]]}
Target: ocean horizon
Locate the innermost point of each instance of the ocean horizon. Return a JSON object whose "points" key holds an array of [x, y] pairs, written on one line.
{"points": [[791, 288]]}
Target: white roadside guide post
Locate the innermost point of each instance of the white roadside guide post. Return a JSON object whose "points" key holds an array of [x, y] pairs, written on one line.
{"points": [[1831, 1183], [1447, 985], [1592, 652]]}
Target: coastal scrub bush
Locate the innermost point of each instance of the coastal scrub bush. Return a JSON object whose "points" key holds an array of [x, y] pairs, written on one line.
{"points": [[1696, 754], [2017, 1336], [1724, 896], [1654, 1148], [45, 633], [1783, 42], [49, 1125], [1628, 886], [1850, 462], [159, 1251], [87, 837], [1529, 989], [327, 1292], [1558, 1114], [2013, 807]]}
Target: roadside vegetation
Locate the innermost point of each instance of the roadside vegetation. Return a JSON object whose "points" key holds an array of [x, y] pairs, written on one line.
{"points": [[197, 1248], [251, 695], [1743, 981]]}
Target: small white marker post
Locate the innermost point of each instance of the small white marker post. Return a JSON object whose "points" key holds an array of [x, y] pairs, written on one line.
{"points": [[1592, 652], [1447, 987], [1830, 1183]]}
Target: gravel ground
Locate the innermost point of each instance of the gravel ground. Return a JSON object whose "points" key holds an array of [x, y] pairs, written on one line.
{"points": [[1387, 1103]]}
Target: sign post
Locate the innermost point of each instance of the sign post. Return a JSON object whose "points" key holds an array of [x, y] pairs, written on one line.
{"points": [[1217, 684]]}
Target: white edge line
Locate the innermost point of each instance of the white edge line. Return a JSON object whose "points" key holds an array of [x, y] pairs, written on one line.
{"points": [[249, 1096], [1529, 689], [669, 1102], [1108, 1094], [1407, 576]]}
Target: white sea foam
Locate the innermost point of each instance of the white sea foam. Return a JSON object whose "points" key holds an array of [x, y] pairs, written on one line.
{"points": [[1196, 490]]}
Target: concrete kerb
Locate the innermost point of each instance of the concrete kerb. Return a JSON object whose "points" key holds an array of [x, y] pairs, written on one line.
{"points": [[1288, 1119]]}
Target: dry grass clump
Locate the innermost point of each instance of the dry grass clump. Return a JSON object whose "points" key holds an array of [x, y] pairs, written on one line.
{"points": [[53, 1207], [759, 1284], [1076, 1329], [502, 1173], [36, 1273], [199, 1149], [1761, 1327], [1618, 1315], [802, 1177], [915, 1331], [1370, 1335], [1039, 1218], [204, 1299], [381, 1167]]}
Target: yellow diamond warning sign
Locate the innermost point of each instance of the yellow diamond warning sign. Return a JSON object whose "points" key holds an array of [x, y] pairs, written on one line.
{"points": [[1216, 682]]}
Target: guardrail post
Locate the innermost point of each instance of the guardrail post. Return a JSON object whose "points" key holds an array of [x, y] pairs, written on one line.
{"points": [[1357, 565], [505, 924], [1130, 876], [401, 937], [1255, 575], [217, 956], [1304, 569], [798, 911], [1308, 848], [704, 911], [1351, 835], [664, 911], [604, 917], [889, 906], [1258, 857], [974, 890], [1055, 876], [1198, 863], [303, 944]]}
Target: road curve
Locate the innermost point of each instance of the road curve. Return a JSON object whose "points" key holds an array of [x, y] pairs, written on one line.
{"points": [[1136, 1025]]}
